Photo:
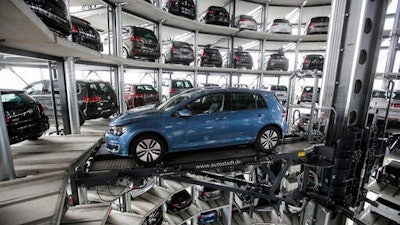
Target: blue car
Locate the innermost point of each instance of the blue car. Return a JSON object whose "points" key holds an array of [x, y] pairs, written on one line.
{"points": [[207, 217], [198, 119]]}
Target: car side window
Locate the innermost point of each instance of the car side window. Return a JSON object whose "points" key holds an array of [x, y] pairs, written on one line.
{"points": [[104, 89], [207, 104], [36, 89], [246, 101]]}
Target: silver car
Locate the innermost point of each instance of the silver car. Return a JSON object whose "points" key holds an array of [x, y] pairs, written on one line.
{"points": [[280, 26], [245, 22], [318, 25]]}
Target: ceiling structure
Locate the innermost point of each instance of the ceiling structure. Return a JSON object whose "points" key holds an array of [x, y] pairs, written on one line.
{"points": [[289, 9]]}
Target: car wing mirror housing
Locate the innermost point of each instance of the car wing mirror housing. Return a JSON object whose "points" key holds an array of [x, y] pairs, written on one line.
{"points": [[184, 113]]}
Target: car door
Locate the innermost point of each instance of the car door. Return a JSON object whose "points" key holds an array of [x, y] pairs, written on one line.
{"points": [[205, 127], [247, 113]]}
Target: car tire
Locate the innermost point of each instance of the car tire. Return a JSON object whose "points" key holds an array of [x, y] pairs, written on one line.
{"points": [[268, 138], [148, 149], [35, 137]]}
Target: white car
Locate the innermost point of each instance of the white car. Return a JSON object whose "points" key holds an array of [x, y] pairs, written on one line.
{"points": [[379, 102], [246, 22], [281, 26], [280, 92]]}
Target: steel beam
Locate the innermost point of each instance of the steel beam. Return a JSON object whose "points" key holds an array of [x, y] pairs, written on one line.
{"points": [[360, 44]]}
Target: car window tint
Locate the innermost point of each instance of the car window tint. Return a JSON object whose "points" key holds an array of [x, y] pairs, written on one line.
{"points": [[36, 89], [207, 104], [246, 101], [148, 88], [144, 33], [104, 89], [379, 94], [396, 95], [10, 97]]}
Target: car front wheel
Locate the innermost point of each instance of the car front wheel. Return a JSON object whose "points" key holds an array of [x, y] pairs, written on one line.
{"points": [[148, 149], [268, 138]]}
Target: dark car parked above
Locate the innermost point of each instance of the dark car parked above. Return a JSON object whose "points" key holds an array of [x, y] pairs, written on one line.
{"points": [[318, 25], [138, 43], [53, 13], [84, 34], [25, 117], [313, 62], [96, 99], [185, 8], [211, 57], [209, 193], [179, 201], [242, 59], [192, 120], [140, 94], [277, 62], [307, 94], [178, 52], [217, 15], [172, 87]]}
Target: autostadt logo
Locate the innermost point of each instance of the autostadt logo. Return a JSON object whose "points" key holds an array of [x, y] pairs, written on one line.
{"points": [[219, 164]]}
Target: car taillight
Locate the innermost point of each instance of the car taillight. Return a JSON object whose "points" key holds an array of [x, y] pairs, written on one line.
{"points": [[75, 29], [312, 24], [275, 24], [174, 48], [8, 119], [306, 60], [210, 12], [171, 91], [41, 107], [135, 38], [92, 99], [202, 216], [175, 205], [203, 54], [395, 105], [284, 113], [237, 57]]}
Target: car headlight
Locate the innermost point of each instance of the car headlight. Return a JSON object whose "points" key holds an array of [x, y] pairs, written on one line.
{"points": [[117, 130]]}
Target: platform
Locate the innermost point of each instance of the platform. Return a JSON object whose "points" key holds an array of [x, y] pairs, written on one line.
{"points": [[43, 168]]}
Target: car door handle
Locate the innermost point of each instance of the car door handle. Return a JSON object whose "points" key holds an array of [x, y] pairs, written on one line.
{"points": [[221, 118]]}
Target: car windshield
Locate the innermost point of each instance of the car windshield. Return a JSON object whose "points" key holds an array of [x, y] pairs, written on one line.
{"points": [[320, 20], [181, 44], [278, 88], [170, 103], [15, 98]]}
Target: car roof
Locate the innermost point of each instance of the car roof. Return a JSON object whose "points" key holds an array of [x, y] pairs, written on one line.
{"points": [[205, 90], [7, 91]]}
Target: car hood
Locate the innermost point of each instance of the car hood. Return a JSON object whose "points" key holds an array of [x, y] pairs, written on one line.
{"points": [[137, 114]]}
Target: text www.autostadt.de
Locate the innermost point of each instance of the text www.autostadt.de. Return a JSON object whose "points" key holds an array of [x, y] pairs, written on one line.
{"points": [[218, 164]]}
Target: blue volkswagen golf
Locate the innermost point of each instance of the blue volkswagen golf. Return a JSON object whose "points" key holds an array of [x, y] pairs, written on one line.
{"points": [[198, 119]]}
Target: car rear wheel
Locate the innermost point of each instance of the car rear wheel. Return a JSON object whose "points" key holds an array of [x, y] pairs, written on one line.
{"points": [[35, 137], [268, 138], [148, 149]]}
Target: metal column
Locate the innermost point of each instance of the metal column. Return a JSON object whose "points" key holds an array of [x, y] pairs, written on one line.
{"points": [[119, 76], [70, 82], [361, 40], [6, 162]]}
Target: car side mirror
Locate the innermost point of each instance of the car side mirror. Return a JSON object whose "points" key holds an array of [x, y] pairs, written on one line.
{"points": [[184, 113]]}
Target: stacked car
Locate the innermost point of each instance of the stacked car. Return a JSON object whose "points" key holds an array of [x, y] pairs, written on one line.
{"points": [[25, 117]]}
